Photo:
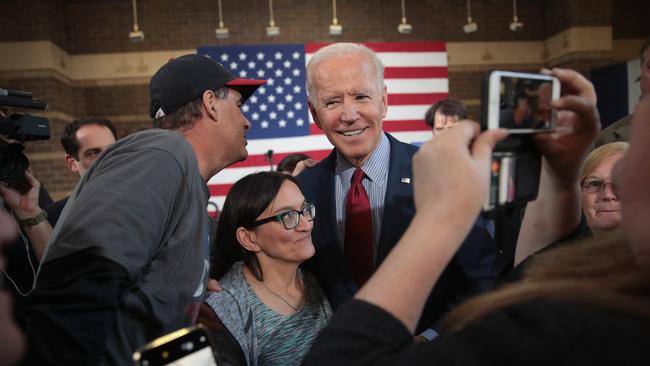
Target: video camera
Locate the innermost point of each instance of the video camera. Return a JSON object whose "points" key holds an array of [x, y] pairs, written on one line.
{"points": [[21, 128]]}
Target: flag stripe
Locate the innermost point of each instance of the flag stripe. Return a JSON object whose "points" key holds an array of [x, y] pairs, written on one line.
{"points": [[415, 72], [406, 99], [406, 112], [262, 160], [424, 85]]}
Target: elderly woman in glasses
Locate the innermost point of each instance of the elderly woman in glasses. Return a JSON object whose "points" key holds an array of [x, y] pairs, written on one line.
{"points": [[601, 208], [271, 311], [600, 204]]}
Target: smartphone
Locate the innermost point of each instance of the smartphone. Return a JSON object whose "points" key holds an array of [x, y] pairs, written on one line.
{"points": [[184, 347], [514, 178], [519, 102], [502, 189]]}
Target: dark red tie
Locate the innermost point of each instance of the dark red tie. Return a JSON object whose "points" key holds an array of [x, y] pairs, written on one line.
{"points": [[358, 245]]}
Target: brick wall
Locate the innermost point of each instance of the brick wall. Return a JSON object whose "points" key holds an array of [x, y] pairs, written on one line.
{"points": [[98, 26], [630, 19], [33, 20]]}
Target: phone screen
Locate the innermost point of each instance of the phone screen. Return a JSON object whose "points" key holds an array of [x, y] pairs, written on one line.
{"points": [[201, 357], [186, 347], [525, 103]]}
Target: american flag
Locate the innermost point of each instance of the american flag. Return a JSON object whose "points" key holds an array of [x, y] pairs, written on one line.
{"points": [[415, 76]]}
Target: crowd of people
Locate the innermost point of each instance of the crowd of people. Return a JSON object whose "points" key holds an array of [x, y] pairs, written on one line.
{"points": [[378, 254]]}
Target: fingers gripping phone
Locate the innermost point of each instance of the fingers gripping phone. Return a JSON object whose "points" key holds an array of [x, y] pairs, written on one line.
{"points": [[520, 103], [184, 347]]}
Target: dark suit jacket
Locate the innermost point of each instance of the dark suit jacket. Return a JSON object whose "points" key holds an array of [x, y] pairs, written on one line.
{"points": [[470, 271]]}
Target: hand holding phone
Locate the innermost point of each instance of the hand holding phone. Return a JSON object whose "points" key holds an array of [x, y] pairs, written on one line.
{"points": [[520, 103]]}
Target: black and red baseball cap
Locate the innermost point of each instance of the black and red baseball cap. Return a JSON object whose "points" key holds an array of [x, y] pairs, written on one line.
{"points": [[186, 78]]}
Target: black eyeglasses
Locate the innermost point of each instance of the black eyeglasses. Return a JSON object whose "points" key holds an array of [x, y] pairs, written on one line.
{"points": [[595, 185], [290, 219]]}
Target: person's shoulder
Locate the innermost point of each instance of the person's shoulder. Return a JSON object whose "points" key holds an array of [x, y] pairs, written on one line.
{"points": [[551, 316], [157, 146], [617, 131], [310, 174], [154, 139], [233, 285]]}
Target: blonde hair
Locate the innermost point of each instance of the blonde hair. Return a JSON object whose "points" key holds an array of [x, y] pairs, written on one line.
{"points": [[337, 50], [599, 154]]}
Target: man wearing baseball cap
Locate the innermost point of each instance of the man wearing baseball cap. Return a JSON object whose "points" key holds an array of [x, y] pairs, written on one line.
{"points": [[130, 250]]}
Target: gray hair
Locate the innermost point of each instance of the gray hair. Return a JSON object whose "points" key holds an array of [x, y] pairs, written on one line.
{"points": [[337, 50]]}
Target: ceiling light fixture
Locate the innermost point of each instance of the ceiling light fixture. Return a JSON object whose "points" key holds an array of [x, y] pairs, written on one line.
{"points": [[222, 31], [404, 27], [515, 25], [335, 28], [471, 25], [272, 30], [137, 35]]}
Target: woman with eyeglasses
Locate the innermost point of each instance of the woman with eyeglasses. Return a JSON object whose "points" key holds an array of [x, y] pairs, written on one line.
{"points": [[270, 309], [600, 204], [601, 208]]}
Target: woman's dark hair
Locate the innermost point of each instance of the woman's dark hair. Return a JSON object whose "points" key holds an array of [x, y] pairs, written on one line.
{"points": [[245, 201], [288, 164], [448, 107]]}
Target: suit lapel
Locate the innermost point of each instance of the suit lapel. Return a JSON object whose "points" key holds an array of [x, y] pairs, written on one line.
{"points": [[327, 225], [398, 203], [325, 201]]}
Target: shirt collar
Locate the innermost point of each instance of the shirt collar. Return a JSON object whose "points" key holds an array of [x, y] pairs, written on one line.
{"points": [[376, 168]]}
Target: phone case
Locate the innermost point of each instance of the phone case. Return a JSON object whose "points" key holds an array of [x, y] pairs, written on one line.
{"points": [[184, 347]]}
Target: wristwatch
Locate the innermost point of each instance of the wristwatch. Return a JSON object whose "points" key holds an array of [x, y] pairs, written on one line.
{"points": [[34, 220]]}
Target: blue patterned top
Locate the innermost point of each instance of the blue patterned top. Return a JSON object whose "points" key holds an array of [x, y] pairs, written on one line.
{"points": [[285, 339]]}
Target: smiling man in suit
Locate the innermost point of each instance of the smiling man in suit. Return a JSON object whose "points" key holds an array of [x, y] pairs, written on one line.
{"points": [[363, 191]]}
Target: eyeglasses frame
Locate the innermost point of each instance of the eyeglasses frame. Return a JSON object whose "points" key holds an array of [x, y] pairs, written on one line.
{"points": [[602, 188], [278, 217]]}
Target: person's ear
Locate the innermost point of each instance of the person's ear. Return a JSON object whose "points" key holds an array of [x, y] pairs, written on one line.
{"points": [[72, 163], [384, 100], [246, 239], [209, 103], [314, 115]]}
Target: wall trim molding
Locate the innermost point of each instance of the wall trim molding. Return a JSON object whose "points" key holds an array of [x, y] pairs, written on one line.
{"points": [[36, 59]]}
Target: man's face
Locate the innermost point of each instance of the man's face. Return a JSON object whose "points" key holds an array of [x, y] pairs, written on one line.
{"points": [[93, 139], [645, 73], [232, 127], [442, 122], [349, 105]]}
